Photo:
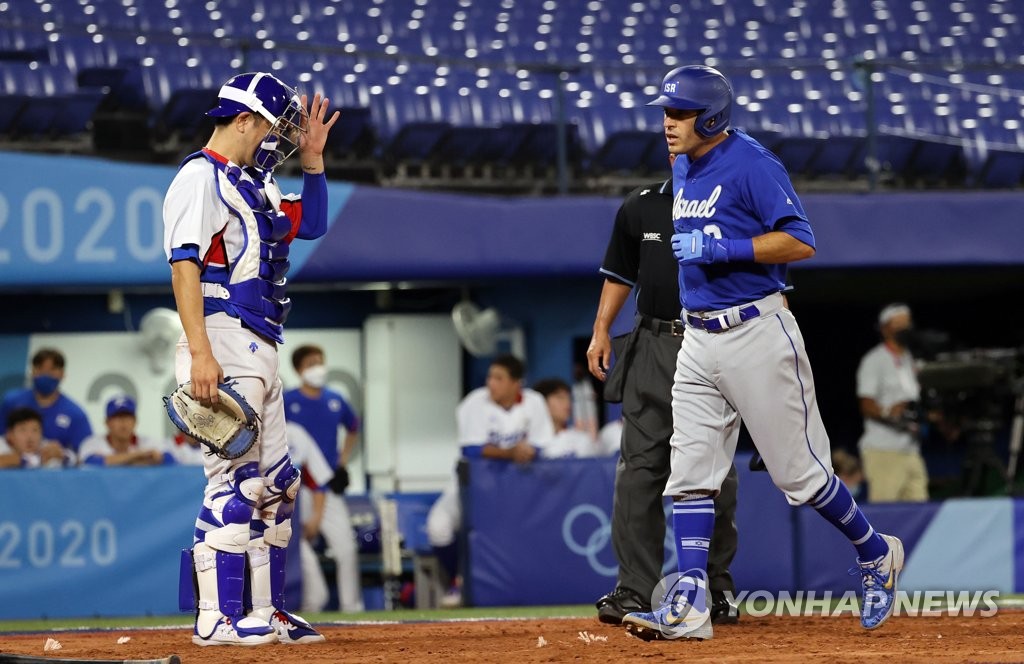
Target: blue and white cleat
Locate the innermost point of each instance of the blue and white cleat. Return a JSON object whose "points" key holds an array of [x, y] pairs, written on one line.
{"points": [[879, 579], [243, 632], [674, 620], [293, 629]]}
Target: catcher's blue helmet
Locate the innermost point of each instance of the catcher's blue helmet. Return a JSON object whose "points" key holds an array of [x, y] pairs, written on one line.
{"points": [[268, 96], [698, 88]]}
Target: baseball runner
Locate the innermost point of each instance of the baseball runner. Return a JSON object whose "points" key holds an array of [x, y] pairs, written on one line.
{"points": [[506, 421], [227, 230], [639, 259], [738, 222], [324, 413]]}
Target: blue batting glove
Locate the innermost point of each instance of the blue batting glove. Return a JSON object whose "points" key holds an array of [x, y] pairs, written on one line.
{"points": [[695, 248], [687, 246]]}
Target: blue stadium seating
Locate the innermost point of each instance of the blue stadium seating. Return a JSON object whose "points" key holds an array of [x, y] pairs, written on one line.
{"points": [[483, 63], [1003, 169]]}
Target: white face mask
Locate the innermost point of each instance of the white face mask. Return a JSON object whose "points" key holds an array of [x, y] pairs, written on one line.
{"points": [[315, 376]]}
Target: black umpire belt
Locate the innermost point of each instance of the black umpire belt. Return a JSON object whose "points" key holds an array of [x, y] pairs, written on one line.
{"points": [[659, 326]]}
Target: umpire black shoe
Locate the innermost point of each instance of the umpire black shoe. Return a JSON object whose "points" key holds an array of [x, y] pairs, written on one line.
{"points": [[612, 607], [723, 612]]}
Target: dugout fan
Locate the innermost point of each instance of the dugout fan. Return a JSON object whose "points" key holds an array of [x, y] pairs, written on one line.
{"points": [[334, 425], [23, 445], [888, 391], [502, 420], [569, 441], [121, 446], [63, 420], [639, 259]]}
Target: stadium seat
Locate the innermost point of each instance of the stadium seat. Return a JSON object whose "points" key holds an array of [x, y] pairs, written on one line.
{"points": [[465, 146], [415, 141], [76, 115], [935, 163], [353, 134], [37, 117], [10, 108], [183, 117], [1002, 170], [797, 153], [836, 156], [624, 151]]}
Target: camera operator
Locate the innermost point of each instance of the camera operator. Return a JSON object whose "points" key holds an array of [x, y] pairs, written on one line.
{"points": [[888, 391]]}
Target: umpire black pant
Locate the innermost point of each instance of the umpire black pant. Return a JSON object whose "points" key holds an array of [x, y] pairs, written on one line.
{"points": [[638, 516]]}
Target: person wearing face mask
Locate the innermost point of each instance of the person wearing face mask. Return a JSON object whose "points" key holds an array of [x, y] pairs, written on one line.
{"points": [[64, 421], [888, 390], [334, 425]]}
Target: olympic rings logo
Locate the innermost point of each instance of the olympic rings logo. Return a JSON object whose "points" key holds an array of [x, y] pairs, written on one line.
{"points": [[596, 542], [599, 538]]}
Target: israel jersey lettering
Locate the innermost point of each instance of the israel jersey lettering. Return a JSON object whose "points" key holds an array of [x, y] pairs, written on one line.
{"points": [[738, 190]]}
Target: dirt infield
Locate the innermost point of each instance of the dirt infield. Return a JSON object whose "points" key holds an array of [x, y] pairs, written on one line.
{"points": [[770, 639]]}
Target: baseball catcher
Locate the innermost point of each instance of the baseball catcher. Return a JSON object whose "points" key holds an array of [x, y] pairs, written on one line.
{"points": [[227, 233]]}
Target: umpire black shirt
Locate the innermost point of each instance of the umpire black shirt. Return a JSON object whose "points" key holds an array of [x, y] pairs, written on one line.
{"points": [[640, 254]]}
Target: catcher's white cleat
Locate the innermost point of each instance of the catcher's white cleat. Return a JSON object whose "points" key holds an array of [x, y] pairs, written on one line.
{"points": [[244, 632], [293, 629]]}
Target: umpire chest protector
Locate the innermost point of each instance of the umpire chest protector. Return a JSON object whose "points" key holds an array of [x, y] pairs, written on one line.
{"points": [[252, 284]]}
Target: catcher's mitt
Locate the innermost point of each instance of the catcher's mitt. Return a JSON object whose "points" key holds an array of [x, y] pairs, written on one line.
{"points": [[228, 428]]}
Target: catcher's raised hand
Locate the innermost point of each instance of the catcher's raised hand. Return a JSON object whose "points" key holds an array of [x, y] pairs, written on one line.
{"points": [[315, 128]]}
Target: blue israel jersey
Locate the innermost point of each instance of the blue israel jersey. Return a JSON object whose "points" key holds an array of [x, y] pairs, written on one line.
{"points": [[63, 420], [737, 190], [321, 418]]}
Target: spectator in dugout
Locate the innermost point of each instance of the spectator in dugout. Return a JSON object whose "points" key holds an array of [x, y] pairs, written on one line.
{"points": [[121, 446], [63, 420], [569, 441], [24, 447]]}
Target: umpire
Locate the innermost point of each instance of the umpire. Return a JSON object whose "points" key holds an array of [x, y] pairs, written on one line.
{"points": [[639, 257]]}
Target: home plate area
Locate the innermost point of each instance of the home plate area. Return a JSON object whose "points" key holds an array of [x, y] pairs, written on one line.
{"points": [[769, 639]]}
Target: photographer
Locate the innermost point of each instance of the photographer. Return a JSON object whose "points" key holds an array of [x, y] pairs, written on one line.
{"points": [[888, 391]]}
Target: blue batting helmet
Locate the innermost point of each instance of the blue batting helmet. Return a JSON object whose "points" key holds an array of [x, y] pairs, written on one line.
{"points": [[267, 96], [698, 88]]}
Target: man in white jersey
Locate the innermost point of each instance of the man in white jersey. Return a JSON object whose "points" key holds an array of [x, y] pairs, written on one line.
{"points": [[227, 233], [886, 387], [504, 421], [569, 441], [120, 445]]}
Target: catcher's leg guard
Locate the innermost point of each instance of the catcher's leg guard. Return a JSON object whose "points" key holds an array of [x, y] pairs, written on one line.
{"points": [[219, 619], [268, 553], [228, 510], [273, 528]]}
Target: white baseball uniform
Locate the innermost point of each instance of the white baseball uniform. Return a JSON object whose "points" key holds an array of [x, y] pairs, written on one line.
{"points": [[481, 421]]}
